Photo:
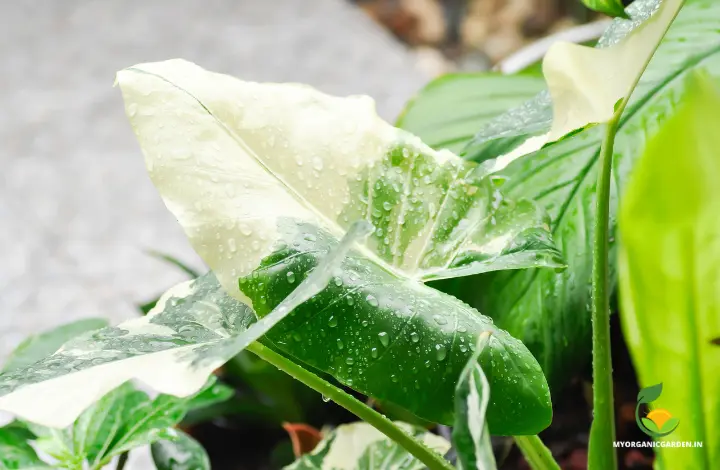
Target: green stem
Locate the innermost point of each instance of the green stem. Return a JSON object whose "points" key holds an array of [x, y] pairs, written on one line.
{"points": [[538, 456], [602, 433], [424, 454]]}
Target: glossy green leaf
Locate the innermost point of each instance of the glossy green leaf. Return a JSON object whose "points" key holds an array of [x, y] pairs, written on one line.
{"points": [[195, 328], [470, 433], [609, 7], [122, 420], [38, 346], [181, 453], [359, 446], [214, 392], [549, 310], [669, 271], [16, 453], [265, 177], [449, 111]]}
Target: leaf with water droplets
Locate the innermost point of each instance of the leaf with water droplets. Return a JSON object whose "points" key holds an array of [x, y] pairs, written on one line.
{"points": [[359, 446], [195, 328], [549, 310], [470, 433], [303, 167]]}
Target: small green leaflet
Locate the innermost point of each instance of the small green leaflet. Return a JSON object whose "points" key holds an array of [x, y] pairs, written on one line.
{"points": [[181, 453], [359, 446], [609, 7], [15, 451]]}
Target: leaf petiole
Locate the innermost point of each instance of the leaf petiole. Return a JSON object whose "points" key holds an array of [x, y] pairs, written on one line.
{"points": [[419, 450], [537, 455]]}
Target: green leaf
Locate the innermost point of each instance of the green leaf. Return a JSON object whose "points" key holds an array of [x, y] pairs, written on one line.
{"points": [[264, 177], [214, 392], [448, 112], [470, 434], [549, 310], [650, 425], [41, 345], [181, 453], [194, 329], [359, 446], [122, 420], [669, 270], [649, 394], [609, 7], [192, 273], [16, 453]]}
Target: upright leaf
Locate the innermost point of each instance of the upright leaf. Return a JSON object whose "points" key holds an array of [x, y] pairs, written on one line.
{"points": [[448, 112], [549, 310], [359, 446], [670, 272], [263, 177], [470, 434]]}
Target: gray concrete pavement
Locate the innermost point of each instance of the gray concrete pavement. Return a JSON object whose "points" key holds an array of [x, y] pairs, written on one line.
{"points": [[76, 208]]}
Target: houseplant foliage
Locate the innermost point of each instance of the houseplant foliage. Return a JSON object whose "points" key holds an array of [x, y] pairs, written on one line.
{"points": [[669, 271], [548, 309], [322, 224]]}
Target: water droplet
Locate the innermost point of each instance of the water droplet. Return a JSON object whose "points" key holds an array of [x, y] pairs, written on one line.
{"points": [[387, 206], [291, 277], [394, 378], [440, 320], [317, 163], [325, 399], [374, 353], [332, 321], [414, 337], [245, 230], [372, 300], [340, 344], [232, 245], [384, 338], [349, 361], [364, 323], [440, 352], [338, 281]]}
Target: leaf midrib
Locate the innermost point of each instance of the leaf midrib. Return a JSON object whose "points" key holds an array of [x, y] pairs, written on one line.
{"points": [[333, 225]]}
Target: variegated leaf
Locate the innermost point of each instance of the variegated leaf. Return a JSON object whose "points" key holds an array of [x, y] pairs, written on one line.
{"points": [[359, 446]]}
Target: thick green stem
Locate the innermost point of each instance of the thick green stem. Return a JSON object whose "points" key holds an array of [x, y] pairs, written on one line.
{"points": [[602, 433], [538, 456], [427, 456]]}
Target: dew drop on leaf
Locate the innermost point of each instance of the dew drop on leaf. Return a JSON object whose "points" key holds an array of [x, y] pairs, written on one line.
{"points": [[291, 277], [340, 344], [384, 338], [372, 300], [440, 352], [374, 353], [414, 337], [332, 321], [440, 320]]}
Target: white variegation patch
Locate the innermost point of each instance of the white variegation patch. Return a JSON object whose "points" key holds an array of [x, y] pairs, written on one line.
{"points": [[171, 350], [359, 446], [586, 83]]}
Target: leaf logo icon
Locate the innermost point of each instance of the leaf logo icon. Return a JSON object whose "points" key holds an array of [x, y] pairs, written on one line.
{"points": [[658, 422]]}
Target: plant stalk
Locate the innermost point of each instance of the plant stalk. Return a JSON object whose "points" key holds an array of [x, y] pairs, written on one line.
{"points": [[427, 456], [602, 432], [122, 461], [538, 456]]}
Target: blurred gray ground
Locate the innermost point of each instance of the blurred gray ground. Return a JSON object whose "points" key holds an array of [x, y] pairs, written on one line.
{"points": [[76, 208]]}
